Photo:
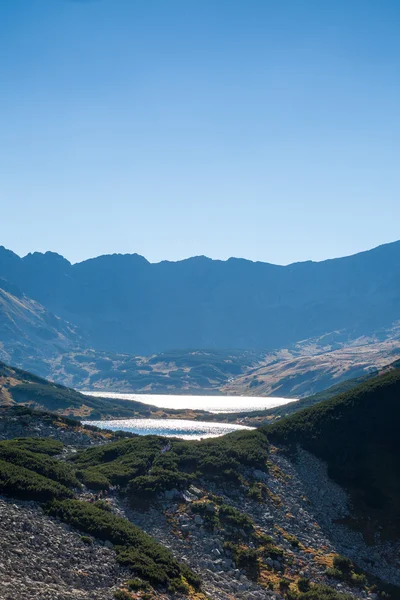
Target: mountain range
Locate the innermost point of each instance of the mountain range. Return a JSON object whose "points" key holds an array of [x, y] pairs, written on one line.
{"points": [[123, 303], [119, 306]]}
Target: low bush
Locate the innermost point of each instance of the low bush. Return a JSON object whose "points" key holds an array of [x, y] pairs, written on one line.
{"points": [[344, 570], [178, 586], [86, 539], [358, 579], [103, 505], [246, 559], [342, 563], [303, 584], [284, 585], [40, 445], [255, 492], [137, 584], [318, 592], [142, 463], [147, 559], [40, 463], [93, 479], [147, 486], [233, 518], [122, 595], [22, 483]]}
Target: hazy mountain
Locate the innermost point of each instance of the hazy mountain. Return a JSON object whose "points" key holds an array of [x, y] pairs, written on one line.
{"points": [[123, 303], [29, 333]]}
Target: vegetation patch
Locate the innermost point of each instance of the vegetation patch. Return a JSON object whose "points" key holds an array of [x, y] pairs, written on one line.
{"points": [[39, 463], [40, 445], [148, 465], [344, 570], [19, 482], [356, 433], [147, 559]]}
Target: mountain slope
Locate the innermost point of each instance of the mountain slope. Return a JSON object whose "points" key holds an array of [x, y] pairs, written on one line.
{"points": [[307, 369], [29, 333], [356, 433], [126, 304], [18, 387], [234, 513], [21, 387]]}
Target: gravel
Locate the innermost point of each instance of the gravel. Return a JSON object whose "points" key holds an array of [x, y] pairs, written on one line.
{"points": [[41, 559]]}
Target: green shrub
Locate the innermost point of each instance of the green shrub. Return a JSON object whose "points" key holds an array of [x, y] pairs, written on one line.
{"points": [[103, 505], [334, 573], [178, 586], [22, 483], [303, 584], [319, 592], [234, 518], [135, 549], [342, 563], [247, 559], [93, 479], [208, 512], [148, 486], [40, 445], [86, 539], [40, 463], [140, 462], [358, 579], [137, 584], [284, 585], [122, 595], [255, 492], [269, 550]]}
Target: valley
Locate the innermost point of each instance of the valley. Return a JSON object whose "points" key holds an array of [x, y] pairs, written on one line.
{"points": [[269, 513], [62, 322]]}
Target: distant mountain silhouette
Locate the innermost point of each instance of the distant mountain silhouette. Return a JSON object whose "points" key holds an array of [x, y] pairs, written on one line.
{"points": [[123, 303]]}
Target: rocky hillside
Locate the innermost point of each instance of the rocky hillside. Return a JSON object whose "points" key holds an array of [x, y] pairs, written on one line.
{"points": [[45, 560], [309, 368], [86, 515], [19, 388], [126, 304], [356, 434], [190, 371], [29, 333]]}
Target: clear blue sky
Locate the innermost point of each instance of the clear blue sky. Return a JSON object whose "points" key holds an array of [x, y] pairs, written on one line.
{"points": [[265, 129]]}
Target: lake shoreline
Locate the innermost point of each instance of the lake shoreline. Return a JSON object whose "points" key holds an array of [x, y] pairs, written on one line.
{"points": [[239, 410], [179, 428], [204, 403]]}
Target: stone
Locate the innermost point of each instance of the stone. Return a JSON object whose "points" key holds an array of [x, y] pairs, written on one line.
{"points": [[260, 475], [198, 520]]}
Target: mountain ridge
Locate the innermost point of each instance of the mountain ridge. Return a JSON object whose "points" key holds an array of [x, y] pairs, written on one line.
{"points": [[123, 303]]}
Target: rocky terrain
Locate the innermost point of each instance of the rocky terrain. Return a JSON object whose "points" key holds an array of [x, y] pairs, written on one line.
{"points": [[273, 527], [17, 423], [299, 515], [311, 367], [42, 559]]}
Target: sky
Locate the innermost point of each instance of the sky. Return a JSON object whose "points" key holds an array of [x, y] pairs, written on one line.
{"points": [[262, 129]]}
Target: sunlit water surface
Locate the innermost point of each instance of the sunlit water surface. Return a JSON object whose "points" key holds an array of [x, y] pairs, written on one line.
{"points": [[214, 404], [186, 429]]}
